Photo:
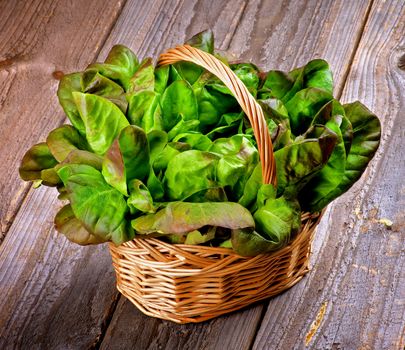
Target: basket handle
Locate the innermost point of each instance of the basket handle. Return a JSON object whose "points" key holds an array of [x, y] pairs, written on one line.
{"points": [[249, 105]]}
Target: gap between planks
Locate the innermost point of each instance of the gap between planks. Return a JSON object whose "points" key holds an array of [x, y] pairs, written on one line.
{"points": [[358, 40]]}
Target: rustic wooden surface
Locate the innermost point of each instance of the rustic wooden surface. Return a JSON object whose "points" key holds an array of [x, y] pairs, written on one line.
{"points": [[39, 38], [59, 296]]}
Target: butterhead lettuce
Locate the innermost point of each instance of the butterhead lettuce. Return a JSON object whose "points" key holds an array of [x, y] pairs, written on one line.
{"points": [[167, 152]]}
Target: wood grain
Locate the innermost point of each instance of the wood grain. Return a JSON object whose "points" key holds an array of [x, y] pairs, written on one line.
{"points": [[132, 329], [48, 299], [175, 22], [128, 326], [57, 295], [43, 277], [286, 34], [359, 265], [39, 38], [47, 284]]}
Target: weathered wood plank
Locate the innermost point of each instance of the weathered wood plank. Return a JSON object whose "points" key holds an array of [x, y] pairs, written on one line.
{"points": [[129, 328], [359, 265], [38, 38], [35, 301], [287, 34], [174, 23], [49, 300], [42, 278]]}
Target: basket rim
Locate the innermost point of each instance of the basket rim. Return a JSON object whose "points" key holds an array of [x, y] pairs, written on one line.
{"points": [[306, 219]]}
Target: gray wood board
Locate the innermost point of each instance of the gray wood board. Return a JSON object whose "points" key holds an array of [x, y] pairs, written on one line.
{"points": [[358, 269]]}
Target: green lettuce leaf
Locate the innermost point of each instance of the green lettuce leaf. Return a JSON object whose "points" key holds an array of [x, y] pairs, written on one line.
{"points": [[284, 86], [183, 126], [140, 199], [276, 222], [144, 77], [303, 107], [155, 186], [99, 207], [183, 217], [238, 160], [127, 158], [197, 237], [68, 84], [196, 140], [302, 159], [95, 83], [161, 78], [214, 100], [249, 74], [329, 177], [36, 160], [119, 66], [144, 110], [229, 124], [170, 150], [178, 99], [252, 186], [61, 141], [82, 157], [203, 41], [157, 140], [67, 224], [103, 120], [366, 139], [190, 172]]}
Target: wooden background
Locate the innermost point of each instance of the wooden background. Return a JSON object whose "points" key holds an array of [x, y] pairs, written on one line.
{"points": [[56, 295]]}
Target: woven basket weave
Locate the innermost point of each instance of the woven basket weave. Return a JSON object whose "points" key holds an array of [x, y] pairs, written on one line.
{"points": [[192, 283]]}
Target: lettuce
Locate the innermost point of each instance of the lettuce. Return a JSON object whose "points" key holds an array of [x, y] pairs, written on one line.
{"points": [[167, 152]]}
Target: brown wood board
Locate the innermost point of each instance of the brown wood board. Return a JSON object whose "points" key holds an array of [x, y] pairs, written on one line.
{"points": [[39, 41], [41, 273], [60, 295], [358, 269]]}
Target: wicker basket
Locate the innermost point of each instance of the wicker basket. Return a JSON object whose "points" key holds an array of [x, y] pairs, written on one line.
{"points": [[191, 283]]}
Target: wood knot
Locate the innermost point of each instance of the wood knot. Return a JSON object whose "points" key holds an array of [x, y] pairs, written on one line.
{"points": [[6, 63], [58, 75], [401, 62]]}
